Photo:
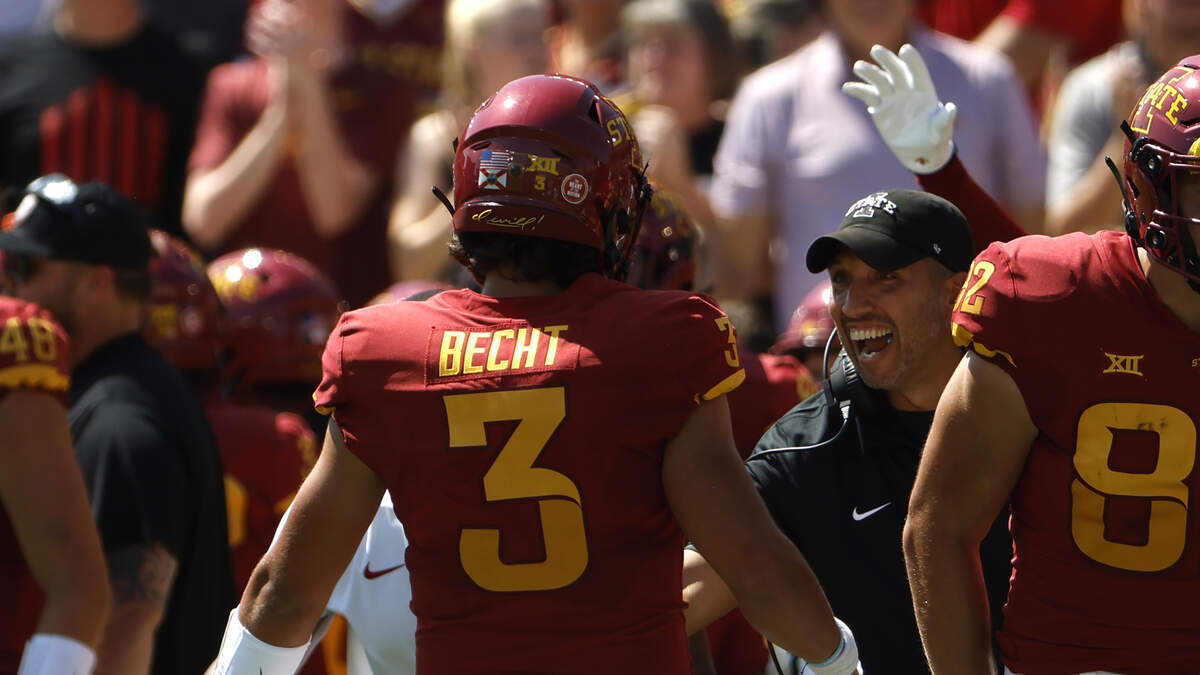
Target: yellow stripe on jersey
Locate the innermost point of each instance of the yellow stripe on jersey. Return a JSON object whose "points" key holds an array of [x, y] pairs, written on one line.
{"points": [[33, 376], [724, 386], [964, 338]]}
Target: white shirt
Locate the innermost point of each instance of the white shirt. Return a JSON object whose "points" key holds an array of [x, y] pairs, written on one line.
{"points": [[800, 150]]}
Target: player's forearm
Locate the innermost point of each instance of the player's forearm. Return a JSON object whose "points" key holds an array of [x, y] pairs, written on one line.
{"points": [[215, 201], [276, 613], [989, 221], [77, 605], [949, 598], [336, 186], [784, 601], [707, 596], [141, 578]]}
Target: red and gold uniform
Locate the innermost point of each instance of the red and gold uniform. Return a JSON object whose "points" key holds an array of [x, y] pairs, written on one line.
{"points": [[1105, 523], [266, 455], [774, 383], [33, 357], [522, 441]]}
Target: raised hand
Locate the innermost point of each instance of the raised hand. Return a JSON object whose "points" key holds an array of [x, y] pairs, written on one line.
{"points": [[904, 105]]}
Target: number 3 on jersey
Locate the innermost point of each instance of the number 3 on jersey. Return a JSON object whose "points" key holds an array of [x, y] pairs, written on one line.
{"points": [[512, 476], [1164, 487]]}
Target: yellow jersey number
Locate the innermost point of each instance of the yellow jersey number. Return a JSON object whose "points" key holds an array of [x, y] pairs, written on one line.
{"points": [[1164, 487], [512, 475], [969, 300]]}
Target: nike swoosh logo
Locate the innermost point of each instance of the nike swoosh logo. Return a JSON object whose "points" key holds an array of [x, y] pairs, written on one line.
{"points": [[374, 574], [863, 516]]}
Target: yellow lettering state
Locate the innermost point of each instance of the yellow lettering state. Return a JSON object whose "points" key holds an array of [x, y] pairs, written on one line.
{"points": [[1177, 105], [473, 348], [552, 349], [450, 358], [528, 349], [492, 364]]}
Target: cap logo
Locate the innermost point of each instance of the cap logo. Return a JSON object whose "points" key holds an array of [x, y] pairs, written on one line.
{"points": [[28, 202], [865, 207], [937, 249]]}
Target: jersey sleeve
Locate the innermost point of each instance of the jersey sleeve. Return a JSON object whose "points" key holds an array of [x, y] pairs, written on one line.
{"points": [[33, 350], [1000, 314], [713, 365]]}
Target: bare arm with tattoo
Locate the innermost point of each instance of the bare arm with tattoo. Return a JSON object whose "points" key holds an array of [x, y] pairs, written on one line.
{"points": [[141, 578]]}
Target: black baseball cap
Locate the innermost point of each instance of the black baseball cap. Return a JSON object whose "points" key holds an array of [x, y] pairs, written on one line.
{"points": [[896, 228], [90, 223]]}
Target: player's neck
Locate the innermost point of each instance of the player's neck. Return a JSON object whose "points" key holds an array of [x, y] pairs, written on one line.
{"points": [[498, 286], [97, 22], [1174, 291]]}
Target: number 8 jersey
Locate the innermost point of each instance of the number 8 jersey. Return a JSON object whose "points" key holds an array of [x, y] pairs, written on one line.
{"points": [[1105, 524], [522, 441]]}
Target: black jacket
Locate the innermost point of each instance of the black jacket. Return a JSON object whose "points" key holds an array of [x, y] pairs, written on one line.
{"points": [[844, 503]]}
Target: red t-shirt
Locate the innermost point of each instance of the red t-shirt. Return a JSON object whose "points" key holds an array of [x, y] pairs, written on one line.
{"points": [[33, 357], [1106, 571], [774, 383], [522, 441], [1092, 26], [266, 455], [392, 72]]}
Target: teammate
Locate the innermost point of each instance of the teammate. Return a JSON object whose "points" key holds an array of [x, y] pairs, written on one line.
{"points": [[1089, 428], [809, 329], [265, 453], [52, 573], [615, 394], [280, 310]]}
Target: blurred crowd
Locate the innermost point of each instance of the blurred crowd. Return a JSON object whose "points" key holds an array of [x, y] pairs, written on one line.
{"points": [[293, 158]]}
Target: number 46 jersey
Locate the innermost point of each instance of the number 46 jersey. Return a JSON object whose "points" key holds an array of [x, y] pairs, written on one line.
{"points": [[1106, 513], [522, 441]]}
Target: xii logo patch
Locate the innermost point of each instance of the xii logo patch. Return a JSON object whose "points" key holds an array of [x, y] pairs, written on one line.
{"points": [[1128, 365]]}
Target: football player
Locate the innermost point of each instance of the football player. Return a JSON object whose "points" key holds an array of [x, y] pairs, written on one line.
{"points": [[1074, 402], [265, 453], [52, 573], [279, 311], [809, 329], [546, 441]]}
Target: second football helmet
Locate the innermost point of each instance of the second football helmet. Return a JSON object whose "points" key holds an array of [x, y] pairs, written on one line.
{"points": [[550, 156], [1163, 144], [664, 256], [811, 324], [280, 311], [183, 317]]}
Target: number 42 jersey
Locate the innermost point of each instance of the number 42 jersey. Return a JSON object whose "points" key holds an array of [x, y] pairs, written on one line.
{"points": [[522, 441], [1106, 513]]}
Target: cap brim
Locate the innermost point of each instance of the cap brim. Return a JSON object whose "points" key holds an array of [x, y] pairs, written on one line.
{"points": [[881, 251], [14, 243]]}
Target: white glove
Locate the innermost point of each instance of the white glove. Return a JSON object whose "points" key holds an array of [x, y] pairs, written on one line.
{"points": [[905, 108]]}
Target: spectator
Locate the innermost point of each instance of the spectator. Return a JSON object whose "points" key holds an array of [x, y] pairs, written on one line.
{"points": [[588, 42], [105, 96], [488, 43], [293, 146], [796, 150], [52, 573], [147, 453], [896, 263], [768, 30], [681, 57], [1094, 99]]}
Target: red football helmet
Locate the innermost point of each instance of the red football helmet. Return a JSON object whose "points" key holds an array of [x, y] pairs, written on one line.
{"points": [[1164, 140], [550, 156], [280, 310], [811, 324], [664, 257], [183, 317]]}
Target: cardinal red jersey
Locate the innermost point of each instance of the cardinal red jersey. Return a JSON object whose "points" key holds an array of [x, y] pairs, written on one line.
{"points": [[266, 455], [522, 440], [774, 383], [33, 357], [1105, 523]]}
